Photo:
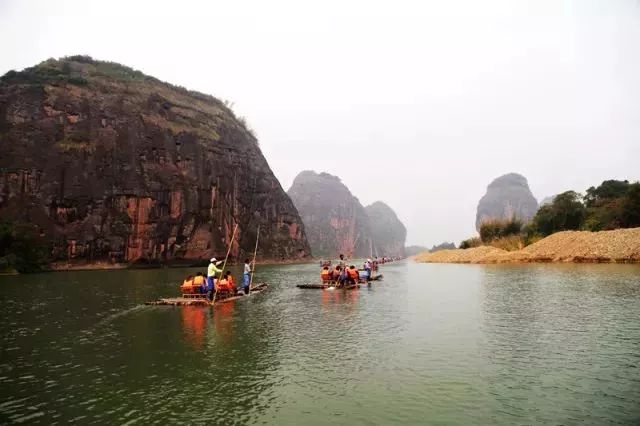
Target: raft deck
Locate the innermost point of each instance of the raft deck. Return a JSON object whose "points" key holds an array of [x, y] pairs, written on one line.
{"points": [[203, 301], [326, 286]]}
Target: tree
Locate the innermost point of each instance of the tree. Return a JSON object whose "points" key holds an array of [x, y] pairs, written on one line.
{"points": [[630, 215], [607, 190], [566, 212]]}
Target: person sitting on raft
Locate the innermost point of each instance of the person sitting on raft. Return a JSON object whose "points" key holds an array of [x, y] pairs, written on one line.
{"points": [[325, 275], [199, 284], [226, 284], [336, 274], [187, 285], [353, 275], [231, 282]]}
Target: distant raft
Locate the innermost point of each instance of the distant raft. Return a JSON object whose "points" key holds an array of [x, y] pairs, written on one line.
{"points": [[200, 300], [321, 286], [327, 286]]}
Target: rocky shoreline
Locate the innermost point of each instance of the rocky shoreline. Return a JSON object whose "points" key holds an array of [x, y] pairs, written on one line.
{"points": [[617, 246]]}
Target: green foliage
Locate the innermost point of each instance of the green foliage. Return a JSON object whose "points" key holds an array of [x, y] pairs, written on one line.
{"points": [[495, 229], [614, 204], [630, 216], [47, 72], [609, 189], [470, 243], [22, 248], [566, 212]]}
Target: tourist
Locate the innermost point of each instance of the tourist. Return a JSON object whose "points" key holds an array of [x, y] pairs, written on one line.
{"points": [[325, 275], [199, 283], [231, 282], [335, 276], [246, 277], [187, 285], [353, 275]]}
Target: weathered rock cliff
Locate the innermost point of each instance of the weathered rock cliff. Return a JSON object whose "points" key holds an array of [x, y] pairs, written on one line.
{"points": [[507, 196], [335, 221], [115, 165], [388, 233]]}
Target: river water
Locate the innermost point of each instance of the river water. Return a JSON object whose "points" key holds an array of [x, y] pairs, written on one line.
{"points": [[431, 344]]}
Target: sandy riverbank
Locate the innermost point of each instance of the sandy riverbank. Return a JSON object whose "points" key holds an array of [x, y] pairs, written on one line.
{"points": [[617, 246]]}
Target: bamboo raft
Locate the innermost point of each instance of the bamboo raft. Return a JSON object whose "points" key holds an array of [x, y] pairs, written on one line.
{"points": [[323, 286], [203, 301], [326, 286]]}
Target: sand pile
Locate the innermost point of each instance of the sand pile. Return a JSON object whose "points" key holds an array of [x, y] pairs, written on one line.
{"points": [[620, 245]]}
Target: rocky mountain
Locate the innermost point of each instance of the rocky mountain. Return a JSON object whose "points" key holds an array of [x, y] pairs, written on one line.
{"points": [[508, 195], [388, 233], [114, 165], [335, 221]]}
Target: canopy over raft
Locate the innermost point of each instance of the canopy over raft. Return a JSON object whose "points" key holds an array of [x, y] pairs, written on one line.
{"points": [[203, 301]]}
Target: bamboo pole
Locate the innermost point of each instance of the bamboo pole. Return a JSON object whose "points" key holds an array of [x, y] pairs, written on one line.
{"points": [[253, 268], [225, 261]]}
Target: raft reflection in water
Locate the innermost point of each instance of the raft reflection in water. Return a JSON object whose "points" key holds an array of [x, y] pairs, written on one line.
{"points": [[197, 319]]}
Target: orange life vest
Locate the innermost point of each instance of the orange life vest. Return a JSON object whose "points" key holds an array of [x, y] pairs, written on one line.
{"points": [[199, 280], [353, 273]]}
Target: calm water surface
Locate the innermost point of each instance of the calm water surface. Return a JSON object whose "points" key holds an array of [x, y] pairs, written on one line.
{"points": [[432, 344]]}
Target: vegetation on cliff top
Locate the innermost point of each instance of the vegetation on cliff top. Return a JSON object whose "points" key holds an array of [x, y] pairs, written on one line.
{"points": [[83, 70]]}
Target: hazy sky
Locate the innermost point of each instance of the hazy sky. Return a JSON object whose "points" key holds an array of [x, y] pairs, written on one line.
{"points": [[419, 104]]}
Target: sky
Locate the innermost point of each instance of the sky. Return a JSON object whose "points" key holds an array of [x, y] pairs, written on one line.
{"points": [[418, 104]]}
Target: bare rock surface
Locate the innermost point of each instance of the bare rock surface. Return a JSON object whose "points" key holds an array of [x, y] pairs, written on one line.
{"points": [[115, 165], [507, 196]]}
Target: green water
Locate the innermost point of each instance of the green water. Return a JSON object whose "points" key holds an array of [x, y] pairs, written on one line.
{"points": [[431, 344]]}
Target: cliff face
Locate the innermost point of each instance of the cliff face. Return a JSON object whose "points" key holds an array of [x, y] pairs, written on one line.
{"points": [[115, 165], [388, 233], [507, 196], [335, 221]]}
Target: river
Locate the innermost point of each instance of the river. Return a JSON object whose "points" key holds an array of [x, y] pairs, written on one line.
{"points": [[431, 344]]}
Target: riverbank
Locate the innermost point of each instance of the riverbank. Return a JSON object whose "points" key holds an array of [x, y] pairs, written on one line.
{"points": [[617, 246]]}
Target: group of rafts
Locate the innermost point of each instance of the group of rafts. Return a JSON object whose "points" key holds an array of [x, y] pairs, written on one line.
{"points": [[217, 287], [345, 277]]}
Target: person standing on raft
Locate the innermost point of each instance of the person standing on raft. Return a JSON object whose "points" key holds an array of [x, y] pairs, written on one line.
{"points": [[212, 270], [246, 277]]}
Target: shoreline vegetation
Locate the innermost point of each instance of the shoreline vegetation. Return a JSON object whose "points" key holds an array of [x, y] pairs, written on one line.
{"points": [[615, 246]]}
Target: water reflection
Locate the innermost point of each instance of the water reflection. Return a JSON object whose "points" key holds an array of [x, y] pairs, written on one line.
{"points": [[223, 322], [194, 321]]}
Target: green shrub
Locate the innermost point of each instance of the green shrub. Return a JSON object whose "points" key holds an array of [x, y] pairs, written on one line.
{"points": [[470, 243], [495, 229]]}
